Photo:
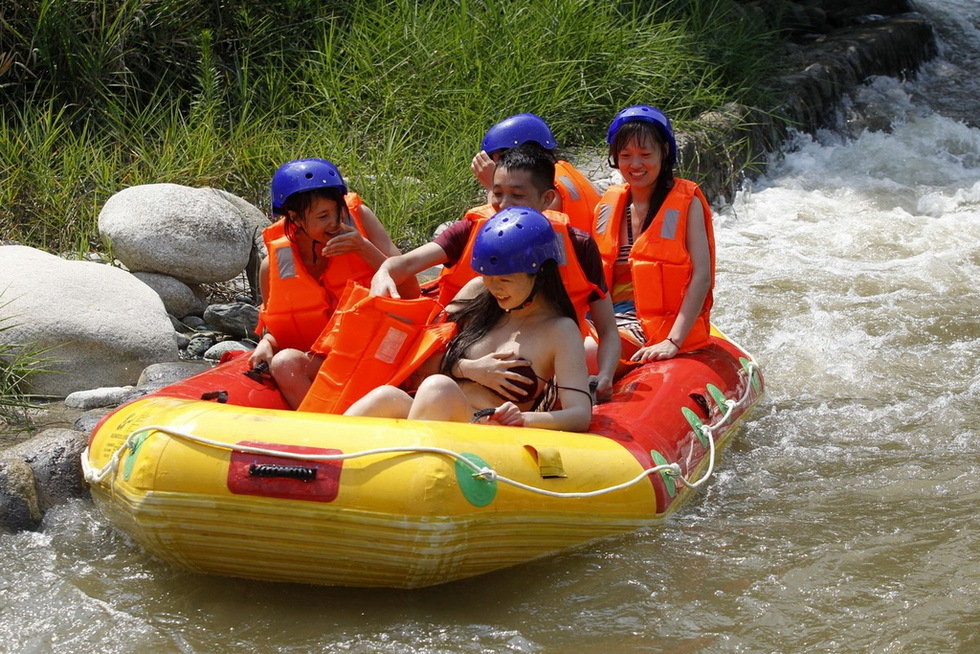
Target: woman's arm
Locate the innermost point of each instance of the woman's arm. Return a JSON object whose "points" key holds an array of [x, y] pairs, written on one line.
{"points": [[376, 232], [266, 347], [375, 247], [264, 280]]}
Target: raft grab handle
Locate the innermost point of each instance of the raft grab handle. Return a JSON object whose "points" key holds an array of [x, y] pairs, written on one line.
{"points": [[303, 473]]}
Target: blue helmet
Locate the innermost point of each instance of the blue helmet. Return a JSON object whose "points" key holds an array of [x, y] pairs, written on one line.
{"points": [[515, 240], [304, 175], [645, 114], [518, 129]]}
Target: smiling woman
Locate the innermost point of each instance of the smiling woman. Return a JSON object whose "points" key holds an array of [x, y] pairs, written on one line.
{"points": [[522, 322], [655, 237], [326, 236]]}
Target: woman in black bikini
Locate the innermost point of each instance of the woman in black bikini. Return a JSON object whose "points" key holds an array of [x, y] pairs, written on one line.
{"points": [[523, 319]]}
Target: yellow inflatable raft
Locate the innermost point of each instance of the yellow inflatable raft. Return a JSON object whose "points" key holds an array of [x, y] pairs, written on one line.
{"points": [[214, 474]]}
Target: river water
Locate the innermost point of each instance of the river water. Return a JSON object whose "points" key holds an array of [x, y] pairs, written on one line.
{"points": [[843, 517]]}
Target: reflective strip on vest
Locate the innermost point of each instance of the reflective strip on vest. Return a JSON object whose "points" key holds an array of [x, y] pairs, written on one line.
{"points": [[285, 263], [603, 215], [570, 187], [669, 229], [562, 251]]}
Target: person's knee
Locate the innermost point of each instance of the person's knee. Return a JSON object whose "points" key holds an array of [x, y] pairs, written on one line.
{"points": [[383, 401], [439, 398], [288, 361], [436, 386]]}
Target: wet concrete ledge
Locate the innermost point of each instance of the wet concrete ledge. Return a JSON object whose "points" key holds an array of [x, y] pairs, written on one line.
{"points": [[833, 47]]}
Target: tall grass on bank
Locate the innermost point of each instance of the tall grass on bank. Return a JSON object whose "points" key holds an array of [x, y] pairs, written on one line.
{"points": [[100, 95], [18, 363]]}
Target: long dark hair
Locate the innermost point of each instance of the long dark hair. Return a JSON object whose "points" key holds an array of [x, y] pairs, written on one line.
{"points": [[478, 315], [298, 203], [641, 132]]}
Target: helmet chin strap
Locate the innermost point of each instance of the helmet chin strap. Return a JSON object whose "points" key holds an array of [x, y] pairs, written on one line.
{"points": [[528, 300]]}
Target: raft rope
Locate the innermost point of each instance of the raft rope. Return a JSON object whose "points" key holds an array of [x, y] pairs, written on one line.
{"points": [[480, 472]]}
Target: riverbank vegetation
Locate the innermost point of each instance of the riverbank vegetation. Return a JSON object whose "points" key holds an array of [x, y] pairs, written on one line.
{"points": [[99, 95], [18, 363]]}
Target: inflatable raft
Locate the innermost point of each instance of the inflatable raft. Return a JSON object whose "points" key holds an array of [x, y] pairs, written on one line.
{"points": [[215, 474]]}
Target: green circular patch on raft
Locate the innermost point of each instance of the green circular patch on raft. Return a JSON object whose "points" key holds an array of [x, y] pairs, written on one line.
{"points": [[476, 490]]}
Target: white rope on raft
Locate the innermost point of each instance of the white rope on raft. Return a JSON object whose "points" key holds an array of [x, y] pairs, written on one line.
{"points": [[481, 472]]}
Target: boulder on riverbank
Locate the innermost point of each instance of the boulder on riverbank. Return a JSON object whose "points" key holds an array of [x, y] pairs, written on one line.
{"points": [[196, 235], [101, 326], [53, 456]]}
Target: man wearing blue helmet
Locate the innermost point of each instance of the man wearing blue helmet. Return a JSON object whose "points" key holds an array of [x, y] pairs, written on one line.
{"points": [[576, 196], [325, 236], [524, 177], [656, 240], [522, 314]]}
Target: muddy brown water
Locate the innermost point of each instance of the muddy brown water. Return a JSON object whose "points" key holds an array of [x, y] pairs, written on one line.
{"points": [[842, 519]]}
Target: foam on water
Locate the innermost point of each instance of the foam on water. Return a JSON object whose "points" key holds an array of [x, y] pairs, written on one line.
{"points": [[850, 258], [843, 518]]}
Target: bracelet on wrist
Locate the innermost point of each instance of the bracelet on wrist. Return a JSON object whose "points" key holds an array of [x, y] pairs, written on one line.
{"points": [[673, 342]]}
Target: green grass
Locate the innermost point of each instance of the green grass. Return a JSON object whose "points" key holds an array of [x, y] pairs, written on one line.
{"points": [[18, 364], [101, 95]]}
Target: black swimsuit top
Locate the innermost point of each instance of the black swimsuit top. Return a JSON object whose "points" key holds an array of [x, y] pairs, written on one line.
{"points": [[528, 386]]}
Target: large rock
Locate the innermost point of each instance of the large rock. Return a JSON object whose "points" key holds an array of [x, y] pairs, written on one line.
{"points": [[159, 375], [238, 319], [19, 508], [252, 217], [55, 458], [96, 398], [102, 325], [178, 298], [198, 235]]}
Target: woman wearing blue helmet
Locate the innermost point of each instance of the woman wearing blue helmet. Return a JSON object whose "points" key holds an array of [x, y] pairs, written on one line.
{"points": [[325, 236], [522, 314], [656, 241], [576, 197]]}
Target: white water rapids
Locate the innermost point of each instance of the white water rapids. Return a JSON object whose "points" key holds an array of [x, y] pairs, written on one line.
{"points": [[843, 517]]}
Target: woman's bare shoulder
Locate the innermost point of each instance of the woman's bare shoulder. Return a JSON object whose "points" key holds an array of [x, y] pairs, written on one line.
{"points": [[564, 328]]}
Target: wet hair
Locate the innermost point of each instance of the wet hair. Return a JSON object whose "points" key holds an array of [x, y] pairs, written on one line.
{"points": [[537, 161], [641, 132], [478, 315], [296, 205]]}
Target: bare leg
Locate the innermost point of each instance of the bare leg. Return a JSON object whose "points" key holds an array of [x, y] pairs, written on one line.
{"points": [[382, 402], [440, 398], [294, 372]]}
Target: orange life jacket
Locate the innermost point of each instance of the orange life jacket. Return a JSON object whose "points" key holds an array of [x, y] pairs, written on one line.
{"points": [[577, 285], [578, 195], [659, 261], [299, 305], [371, 341]]}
